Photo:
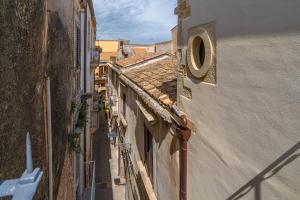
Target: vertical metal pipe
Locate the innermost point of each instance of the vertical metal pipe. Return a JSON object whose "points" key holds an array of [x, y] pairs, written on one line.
{"points": [[49, 128], [185, 135]]}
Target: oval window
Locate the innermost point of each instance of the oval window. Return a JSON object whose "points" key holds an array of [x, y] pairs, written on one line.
{"points": [[199, 54], [198, 49]]}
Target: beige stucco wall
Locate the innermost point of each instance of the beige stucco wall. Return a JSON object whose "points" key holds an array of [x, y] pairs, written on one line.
{"points": [[174, 40], [248, 123], [163, 47], [165, 147], [108, 45]]}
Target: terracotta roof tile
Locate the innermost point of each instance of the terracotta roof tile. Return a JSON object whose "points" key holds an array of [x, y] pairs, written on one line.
{"points": [[126, 62], [138, 51], [105, 56], [158, 79]]}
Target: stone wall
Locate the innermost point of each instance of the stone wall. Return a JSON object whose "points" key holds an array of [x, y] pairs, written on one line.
{"points": [[33, 44]]}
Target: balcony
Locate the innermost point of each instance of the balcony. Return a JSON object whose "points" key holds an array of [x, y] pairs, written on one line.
{"points": [[95, 58]]}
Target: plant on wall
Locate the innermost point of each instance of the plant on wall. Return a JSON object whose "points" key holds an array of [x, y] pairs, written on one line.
{"points": [[82, 117], [74, 143], [73, 107]]}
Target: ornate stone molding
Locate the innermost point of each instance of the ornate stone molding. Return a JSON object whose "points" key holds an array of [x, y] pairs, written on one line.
{"points": [[183, 9], [206, 72]]}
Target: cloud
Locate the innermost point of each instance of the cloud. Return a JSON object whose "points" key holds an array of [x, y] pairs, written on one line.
{"points": [[140, 21]]}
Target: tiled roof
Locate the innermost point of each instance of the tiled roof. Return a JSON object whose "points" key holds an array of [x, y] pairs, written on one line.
{"points": [[157, 79], [126, 62], [138, 51], [105, 56]]}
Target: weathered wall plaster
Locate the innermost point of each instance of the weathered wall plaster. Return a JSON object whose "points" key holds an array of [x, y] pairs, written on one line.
{"points": [[165, 145], [35, 43]]}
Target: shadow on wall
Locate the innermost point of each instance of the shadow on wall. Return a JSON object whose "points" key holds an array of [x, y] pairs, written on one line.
{"points": [[59, 50], [267, 173]]}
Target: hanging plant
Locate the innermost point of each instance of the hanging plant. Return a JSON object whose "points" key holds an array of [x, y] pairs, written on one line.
{"points": [[82, 117], [74, 143]]}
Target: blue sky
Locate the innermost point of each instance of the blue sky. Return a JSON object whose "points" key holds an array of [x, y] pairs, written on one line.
{"points": [[140, 21]]}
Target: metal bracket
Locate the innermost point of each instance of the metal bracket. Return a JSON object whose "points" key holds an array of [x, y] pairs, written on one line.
{"points": [[24, 187]]}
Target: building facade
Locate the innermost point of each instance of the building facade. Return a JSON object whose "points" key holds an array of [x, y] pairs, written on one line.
{"points": [[51, 48], [141, 91], [239, 78], [111, 50]]}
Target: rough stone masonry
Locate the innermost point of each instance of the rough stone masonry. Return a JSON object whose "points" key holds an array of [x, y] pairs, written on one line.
{"points": [[33, 44]]}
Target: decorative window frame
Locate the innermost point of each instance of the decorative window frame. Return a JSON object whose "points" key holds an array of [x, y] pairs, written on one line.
{"points": [[207, 34]]}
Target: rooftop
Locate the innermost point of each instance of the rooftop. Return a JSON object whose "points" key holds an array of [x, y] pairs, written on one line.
{"points": [[105, 56], [158, 79], [139, 50], [139, 58]]}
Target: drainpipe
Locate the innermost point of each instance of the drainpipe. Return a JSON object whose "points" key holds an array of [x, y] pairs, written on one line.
{"points": [[49, 128], [185, 134]]}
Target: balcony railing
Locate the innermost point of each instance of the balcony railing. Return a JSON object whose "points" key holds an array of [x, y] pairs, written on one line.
{"points": [[102, 78]]}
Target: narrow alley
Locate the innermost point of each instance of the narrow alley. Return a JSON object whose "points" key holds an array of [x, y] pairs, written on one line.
{"points": [[106, 164], [149, 100]]}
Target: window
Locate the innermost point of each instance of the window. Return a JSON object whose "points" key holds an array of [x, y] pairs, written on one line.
{"points": [[78, 50], [77, 56], [89, 36], [198, 51], [104, 71], [201, 52], [148, 150], [124, 105]]}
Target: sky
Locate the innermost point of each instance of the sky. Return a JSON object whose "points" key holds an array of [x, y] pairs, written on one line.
{"points": [[140, 21]]}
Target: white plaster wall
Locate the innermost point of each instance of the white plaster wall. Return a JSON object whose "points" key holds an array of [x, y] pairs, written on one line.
{"points": [[165, 147], [251, 117]]}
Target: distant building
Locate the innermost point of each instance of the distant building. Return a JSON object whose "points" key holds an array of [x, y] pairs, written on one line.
{"points": [[138, 49], [101, 78], [110, 49]]}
